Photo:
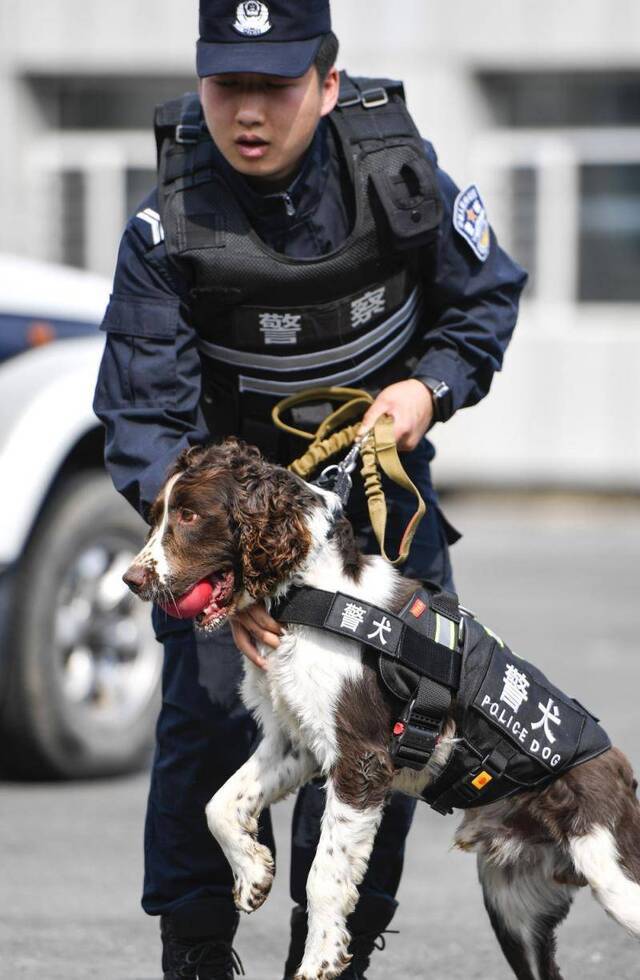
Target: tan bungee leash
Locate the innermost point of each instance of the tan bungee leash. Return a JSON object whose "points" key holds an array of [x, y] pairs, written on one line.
{"points": [[376, 447]]}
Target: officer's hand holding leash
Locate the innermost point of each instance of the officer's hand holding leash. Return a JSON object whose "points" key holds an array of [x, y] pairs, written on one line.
{"points": [[410, 404]]}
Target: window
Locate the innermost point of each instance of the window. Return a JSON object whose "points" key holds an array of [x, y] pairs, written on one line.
{"points": [[140, 183], [72, 229], [103, 102], [609, 267], [556, 99], [569, 144], [523, 222]]}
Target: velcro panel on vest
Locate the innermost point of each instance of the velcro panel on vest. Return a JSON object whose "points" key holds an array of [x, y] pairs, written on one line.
{"points": [[323, 326], [387, 633]]}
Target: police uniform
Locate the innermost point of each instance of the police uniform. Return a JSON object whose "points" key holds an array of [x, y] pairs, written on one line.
{"points": [[370, 268]]}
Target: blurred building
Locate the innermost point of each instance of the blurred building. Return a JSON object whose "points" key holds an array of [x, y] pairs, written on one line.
{"points": [[538, 103]]}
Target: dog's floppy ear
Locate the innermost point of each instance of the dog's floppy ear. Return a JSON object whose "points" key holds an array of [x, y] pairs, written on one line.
{"points": [[191, 456], [274, 540]]}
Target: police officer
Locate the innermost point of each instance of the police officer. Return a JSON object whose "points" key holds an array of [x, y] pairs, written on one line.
{"points": [[301, 234]]}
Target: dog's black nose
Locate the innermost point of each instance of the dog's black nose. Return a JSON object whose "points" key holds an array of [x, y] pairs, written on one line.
{"points": [[135, 577]]}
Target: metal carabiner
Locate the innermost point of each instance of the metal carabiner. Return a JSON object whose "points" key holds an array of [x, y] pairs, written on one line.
{"points": [[336, 476]]}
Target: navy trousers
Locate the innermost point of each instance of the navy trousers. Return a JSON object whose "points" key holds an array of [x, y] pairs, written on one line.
{"points": [[204, 734]]}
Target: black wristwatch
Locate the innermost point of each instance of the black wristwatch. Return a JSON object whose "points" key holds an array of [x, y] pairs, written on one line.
{"points": [[442, 400]]}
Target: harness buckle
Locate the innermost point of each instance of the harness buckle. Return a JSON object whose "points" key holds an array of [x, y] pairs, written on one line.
{"points": [[373, 97], [187, 133], [413, 741]]}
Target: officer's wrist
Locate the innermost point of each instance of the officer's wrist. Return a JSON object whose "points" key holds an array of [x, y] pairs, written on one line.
{"points": [[441, 398]]}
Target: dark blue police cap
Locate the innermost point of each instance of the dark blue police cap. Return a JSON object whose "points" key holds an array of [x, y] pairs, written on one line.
{"points": [[277, 37]]}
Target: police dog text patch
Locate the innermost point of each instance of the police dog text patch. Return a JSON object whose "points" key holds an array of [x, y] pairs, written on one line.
{"points": [[364, 622], [519, 701], [470, 220]]}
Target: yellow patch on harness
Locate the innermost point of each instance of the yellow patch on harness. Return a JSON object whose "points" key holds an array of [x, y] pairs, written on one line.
{"points": [[481, 780]]}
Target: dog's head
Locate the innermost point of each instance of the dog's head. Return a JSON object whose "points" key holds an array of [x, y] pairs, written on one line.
{"points": [[225, 523]]}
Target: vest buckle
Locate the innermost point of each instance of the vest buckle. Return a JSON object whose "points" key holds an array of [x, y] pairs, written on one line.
{"points": [[373, 97], [187, 133]]}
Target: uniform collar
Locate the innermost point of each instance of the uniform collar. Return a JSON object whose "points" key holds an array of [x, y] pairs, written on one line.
{"points": [[283, 209]]}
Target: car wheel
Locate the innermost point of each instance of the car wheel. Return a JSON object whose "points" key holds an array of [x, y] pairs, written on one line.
{"points": [[84, 676]]}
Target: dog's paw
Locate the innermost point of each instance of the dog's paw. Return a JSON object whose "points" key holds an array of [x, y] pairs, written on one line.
{"points": [[326, 969], [254, 884]]}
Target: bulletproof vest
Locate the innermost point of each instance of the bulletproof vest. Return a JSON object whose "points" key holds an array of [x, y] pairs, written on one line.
{"points": [[270, 325], [515, 729]]}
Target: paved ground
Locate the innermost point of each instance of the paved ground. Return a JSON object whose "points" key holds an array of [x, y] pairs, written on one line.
{"points": [[559, 579]]}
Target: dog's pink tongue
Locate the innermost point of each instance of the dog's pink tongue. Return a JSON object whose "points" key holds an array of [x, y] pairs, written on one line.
{"points": [[191, 603]]}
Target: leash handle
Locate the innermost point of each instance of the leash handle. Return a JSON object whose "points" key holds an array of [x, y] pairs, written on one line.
{"points": [[383, 449], [354, 399], [375, 447]]}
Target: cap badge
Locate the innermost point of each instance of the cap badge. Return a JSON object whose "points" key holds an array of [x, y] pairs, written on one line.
{"points": [[252, 18]]}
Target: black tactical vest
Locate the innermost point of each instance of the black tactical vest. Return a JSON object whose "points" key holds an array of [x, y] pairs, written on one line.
{"points": [[270, 325], [515, 730]]}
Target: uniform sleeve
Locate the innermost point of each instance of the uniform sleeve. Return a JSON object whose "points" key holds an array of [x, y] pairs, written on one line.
{"points": [[148, 388], [471, 308]]}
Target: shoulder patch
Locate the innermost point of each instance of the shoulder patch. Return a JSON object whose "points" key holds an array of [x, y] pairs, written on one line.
{"points": [[471, 222], [152, 219]]}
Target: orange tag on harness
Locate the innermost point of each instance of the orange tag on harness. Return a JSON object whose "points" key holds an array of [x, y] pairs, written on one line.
{"points": [[418, 608], [481, 780]]}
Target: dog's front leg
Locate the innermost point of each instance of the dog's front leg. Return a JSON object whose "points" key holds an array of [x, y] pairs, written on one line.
{"points": [[273, 770], [346, 840]]}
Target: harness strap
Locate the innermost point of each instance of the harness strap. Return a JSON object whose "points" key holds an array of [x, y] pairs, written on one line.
{"points": [[351, 401], [463, 786], [416, 733], [374, 627], [191, 124], [447, 604]]}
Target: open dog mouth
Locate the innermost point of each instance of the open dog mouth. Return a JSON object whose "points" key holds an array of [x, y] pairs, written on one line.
{"points": [[208, 601]]}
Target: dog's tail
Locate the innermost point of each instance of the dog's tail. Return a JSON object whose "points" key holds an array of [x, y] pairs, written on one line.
{"points": [[609, 855]]}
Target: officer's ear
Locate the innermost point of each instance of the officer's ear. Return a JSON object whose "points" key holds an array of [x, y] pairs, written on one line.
{"points": [[330, 89]]}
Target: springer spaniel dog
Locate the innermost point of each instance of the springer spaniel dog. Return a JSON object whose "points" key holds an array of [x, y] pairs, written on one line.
{"points": [[228, 529]]}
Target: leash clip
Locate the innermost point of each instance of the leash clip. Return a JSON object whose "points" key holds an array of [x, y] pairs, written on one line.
{"points": [[337, 476]]}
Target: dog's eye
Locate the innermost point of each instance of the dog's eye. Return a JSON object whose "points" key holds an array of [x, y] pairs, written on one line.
{"points": [[186, 516]]}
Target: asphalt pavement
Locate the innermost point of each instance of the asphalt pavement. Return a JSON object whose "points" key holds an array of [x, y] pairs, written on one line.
{"points": [[559, 579]]}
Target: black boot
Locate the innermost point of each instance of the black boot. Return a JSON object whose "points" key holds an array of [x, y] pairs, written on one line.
{"points": [[196, 942], [296, 941], [366, 925]]}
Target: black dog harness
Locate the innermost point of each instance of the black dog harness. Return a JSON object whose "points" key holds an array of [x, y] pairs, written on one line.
{"points": [[515, 730]]}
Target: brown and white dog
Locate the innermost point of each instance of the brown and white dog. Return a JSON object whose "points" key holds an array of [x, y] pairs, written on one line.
{"points": [[228, 529]]}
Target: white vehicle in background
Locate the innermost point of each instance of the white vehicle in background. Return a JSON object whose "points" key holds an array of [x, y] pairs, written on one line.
{"points": [[79, 665]]}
